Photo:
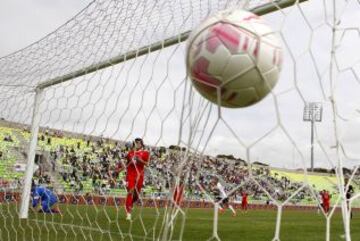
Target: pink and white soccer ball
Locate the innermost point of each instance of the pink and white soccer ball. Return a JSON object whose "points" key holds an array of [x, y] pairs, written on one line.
{"points": [[236, 55]]}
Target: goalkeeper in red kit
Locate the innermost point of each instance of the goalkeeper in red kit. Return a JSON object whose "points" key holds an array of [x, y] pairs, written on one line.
{"points": [[137, 159]]}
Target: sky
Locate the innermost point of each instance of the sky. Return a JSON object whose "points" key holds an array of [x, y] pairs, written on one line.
{"points": [[25, 22], [145, 96]]}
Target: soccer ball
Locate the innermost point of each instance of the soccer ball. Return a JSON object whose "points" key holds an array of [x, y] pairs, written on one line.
{"points": [[233, 58]]}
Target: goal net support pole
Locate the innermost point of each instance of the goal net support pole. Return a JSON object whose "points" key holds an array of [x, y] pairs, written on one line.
{"points": [[24, 208]]}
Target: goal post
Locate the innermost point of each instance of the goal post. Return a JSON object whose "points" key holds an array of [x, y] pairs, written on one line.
{"points": [[30, 166]]}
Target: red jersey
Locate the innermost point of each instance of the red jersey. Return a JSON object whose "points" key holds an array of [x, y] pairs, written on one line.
{"points": [[134, 165]]}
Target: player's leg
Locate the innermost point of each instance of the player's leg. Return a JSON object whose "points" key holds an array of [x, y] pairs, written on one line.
{"points": [[45, 206], [326, 207], [138, 187], [226, 204], [244, 206], [219, 200], [55, 208], [131, 179], [53, 204], [232, 209]]}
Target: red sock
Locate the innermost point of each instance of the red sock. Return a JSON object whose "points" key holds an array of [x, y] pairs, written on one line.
{"points": [[129, 202]]}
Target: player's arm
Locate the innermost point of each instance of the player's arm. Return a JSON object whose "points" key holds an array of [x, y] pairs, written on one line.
{"points": [[144, 161], [35, 200], [129, 159]]}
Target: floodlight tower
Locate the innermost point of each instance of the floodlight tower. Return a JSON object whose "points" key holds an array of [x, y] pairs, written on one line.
{"points": [[313, 113]]}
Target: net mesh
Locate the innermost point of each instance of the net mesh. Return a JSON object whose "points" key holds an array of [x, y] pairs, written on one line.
{"points": [[88, 123]]}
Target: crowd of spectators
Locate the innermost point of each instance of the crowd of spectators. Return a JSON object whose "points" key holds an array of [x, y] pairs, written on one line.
{"points": [[98, 165], [102, 163]]}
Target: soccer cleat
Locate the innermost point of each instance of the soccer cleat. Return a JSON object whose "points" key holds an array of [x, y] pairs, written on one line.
{"points": [[128, 216]]}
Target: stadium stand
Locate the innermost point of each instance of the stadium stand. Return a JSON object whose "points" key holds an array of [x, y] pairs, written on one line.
{"points": [[78, 164]]}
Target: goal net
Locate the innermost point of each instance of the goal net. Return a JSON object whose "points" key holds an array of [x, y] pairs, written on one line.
{"points": [[73, 103]]}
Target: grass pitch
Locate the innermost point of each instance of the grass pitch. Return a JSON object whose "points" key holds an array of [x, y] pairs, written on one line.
{"points": [[100, 223]]}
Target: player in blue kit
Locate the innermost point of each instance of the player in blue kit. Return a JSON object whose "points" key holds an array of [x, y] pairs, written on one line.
{"points": [[47, 198]]}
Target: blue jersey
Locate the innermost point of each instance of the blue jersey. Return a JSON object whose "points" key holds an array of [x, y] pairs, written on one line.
{"points": [[43, 194]]}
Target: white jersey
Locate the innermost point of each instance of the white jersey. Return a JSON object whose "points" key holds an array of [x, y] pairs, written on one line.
{"points": [[221, 189]]}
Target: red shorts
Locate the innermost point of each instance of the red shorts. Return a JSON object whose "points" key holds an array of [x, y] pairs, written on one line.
{"points": [[134, 180]]}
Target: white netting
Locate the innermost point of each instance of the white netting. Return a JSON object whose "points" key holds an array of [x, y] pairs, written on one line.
{"points": [[88, 122]]}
